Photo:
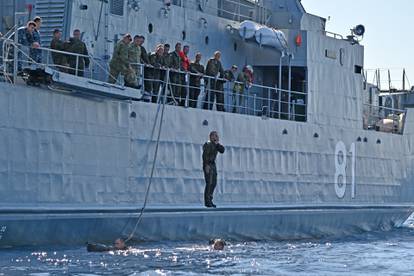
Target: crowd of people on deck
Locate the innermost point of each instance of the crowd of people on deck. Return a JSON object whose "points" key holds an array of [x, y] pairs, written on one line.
{"points": [[137, 66], [129, 54]]}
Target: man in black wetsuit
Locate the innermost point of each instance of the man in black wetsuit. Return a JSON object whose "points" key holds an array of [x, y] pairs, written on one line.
{"points": [[210, 150]]}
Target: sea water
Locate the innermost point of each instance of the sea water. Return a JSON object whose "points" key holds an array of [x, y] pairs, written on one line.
{"points": [[382, 253]]}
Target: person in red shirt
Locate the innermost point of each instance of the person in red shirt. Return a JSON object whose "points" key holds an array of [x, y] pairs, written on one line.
{"points": [[185, 61], [185, 67]]}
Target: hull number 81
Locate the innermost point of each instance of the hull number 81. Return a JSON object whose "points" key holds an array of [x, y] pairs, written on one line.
{"points": [[340, 169]]}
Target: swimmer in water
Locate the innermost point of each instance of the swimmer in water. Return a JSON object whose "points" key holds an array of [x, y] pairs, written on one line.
{"points": [[217, 244], [119, 244]]}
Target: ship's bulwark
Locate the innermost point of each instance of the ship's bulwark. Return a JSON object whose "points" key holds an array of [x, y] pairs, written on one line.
{"points": [[79, 167]]}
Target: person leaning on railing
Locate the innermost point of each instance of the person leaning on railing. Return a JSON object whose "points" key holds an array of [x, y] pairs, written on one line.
{"points": [[175, 64], [144, 60], [119, 63], [134, 55], [75, 45], [157, 61], [25, 38], [242, 81], [197, 70], [35, 53]]}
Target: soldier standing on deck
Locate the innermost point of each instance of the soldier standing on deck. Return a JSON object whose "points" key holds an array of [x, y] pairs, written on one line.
{"points": [[214, 69], [77, 46], [210, 150], [120, 64], [166, 55], [134, 55], [157, 60], [197, 71], [57, 44], [175, 64], [147, 70]]}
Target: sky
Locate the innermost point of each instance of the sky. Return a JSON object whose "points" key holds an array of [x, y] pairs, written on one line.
{"points": [[389, 38]]}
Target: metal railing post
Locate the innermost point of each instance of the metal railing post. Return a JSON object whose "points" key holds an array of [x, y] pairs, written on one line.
{"points": [[268, 102], [254, 104], [77, 65], [187, 96], [280, 87], [289, 87]]}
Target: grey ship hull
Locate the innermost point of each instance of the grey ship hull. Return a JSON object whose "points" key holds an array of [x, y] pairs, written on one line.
{"points": [[75, 169], [77, 226]]}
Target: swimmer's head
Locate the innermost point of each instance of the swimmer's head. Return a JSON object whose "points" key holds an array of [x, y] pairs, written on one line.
{"points": [[120, 244], [219, 244]]}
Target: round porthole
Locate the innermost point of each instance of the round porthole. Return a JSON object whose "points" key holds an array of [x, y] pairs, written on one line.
{"points": [[206, 39], [183, 35], [150, 28]]}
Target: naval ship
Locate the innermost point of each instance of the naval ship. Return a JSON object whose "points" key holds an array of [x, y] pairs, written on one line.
{"points": [[315, 149]]}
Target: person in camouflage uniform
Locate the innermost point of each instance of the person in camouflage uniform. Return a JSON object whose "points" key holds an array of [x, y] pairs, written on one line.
{"points": [[210, 150], [158, 62], [244, 81], [145, 60], [35, 53], [134, 55], [175, 64], [214, 69], [197, 71], [119, 63], [77, 46], [166, 55], [57, 44]]}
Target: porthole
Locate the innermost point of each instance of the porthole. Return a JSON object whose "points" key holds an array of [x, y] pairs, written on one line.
{"points": [[206, 39], [150, 28], [184, 35], [235, 46]]}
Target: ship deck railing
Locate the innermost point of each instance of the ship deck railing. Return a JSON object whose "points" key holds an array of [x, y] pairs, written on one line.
{"points": [[256, 99], [384, 119]]}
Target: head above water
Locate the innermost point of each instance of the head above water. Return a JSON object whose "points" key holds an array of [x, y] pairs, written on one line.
{"points": [[218, 244], [119, 244]]}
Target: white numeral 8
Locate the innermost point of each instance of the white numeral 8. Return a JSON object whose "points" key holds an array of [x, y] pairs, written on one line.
{"points": [[340, 169]]}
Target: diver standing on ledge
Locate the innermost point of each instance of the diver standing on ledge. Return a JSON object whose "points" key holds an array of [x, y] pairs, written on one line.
{"points": [[210, 150]]}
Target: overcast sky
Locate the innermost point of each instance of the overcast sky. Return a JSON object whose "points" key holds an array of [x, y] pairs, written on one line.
{"points": [[389, 38]]}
